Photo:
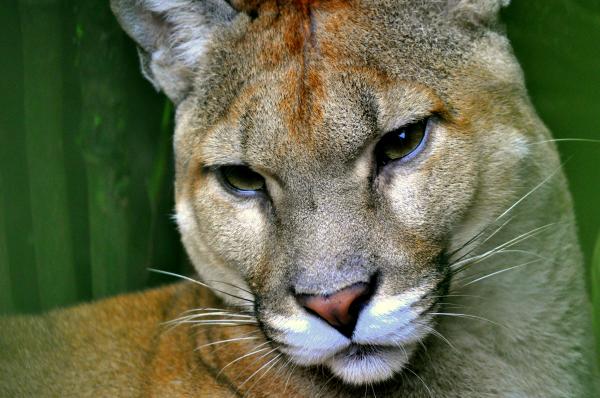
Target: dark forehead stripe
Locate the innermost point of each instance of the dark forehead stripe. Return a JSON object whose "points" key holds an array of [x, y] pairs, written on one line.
{"points": [[294, 44]]}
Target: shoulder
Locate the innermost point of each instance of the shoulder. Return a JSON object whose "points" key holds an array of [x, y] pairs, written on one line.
{"points": [[100, 346]]}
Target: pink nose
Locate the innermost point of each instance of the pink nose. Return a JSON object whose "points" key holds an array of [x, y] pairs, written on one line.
{"points": [[340, 309]]}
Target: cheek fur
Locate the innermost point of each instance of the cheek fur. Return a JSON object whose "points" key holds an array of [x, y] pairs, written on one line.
{"points": [[234, 231], [430, 200]]}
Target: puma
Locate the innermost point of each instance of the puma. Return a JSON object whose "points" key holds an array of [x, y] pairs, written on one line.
{"points": [[370, 202]]}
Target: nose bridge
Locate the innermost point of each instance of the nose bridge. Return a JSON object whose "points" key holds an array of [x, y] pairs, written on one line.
{"points": [[329, 222], [326, 236]]}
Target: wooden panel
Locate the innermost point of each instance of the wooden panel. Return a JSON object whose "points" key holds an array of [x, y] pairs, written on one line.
{"points": [[45, 157]]}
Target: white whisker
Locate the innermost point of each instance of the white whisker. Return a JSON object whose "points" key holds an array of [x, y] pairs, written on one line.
{"points": [[198, 283], [545, 180], [568, 140], [276, 359], [220, 321], [212, 314], [226, 341], [260, 368], [466, 316], [323, 386], [291, 372], [474, 238], [499, 272], [422, 381], [457, 267], [438, 335], [373, 390], [245, 356]]}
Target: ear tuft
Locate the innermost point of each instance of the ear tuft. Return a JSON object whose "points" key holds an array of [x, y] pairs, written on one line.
{"points": [[477, 12], [173, 36]]}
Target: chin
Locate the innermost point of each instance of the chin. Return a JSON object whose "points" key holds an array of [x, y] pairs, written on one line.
{"points": [[360, 365]]}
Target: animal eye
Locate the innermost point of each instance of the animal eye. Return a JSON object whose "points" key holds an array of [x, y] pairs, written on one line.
{"points": [[241, 179], [400, 143]]}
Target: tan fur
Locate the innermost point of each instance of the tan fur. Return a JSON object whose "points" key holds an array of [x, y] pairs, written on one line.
{"points": [[301, 91]]}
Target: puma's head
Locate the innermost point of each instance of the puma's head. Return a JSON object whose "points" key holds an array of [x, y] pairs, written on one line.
{"points": [[331, 155]]}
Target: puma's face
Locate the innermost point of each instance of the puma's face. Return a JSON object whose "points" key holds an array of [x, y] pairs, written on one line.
{"points": [[331, 155]]}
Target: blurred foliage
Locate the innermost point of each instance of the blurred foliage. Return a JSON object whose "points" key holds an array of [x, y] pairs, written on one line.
{"points": [[595, 278], [557, 43], [86, 163]]}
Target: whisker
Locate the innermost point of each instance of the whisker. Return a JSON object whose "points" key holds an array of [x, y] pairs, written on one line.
{"points": [[466, 316], [242, 335], [232, 285], [458, 295], [221, 321], [193, 310], [477, 235], [291, 372], [259, 369], [323, 386], [262, 356], [198, 283], [544, 181], [439, 335], [196, 319], [213, 314], [460, 265], [422, 381], [502, 215], [276, 359], [567, 139], [499, 272], [245, 356], [225, 341], [283, 366], [508, 243], [373, 390], [221, 325]]}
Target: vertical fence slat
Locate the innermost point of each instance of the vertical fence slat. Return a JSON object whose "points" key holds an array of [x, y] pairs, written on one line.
{"points": [[104, 136], [45, 157], [13, 165], [108, 230], [595, 278], [6, 294]]}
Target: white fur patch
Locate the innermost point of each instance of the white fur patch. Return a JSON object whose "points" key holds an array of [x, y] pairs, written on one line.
{"points": [[311, 339], [386, 321], [184, 216], [370, 367], [192, 28]]}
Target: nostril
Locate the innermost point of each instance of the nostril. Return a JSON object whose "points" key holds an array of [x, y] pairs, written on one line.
{"points": [[340, 309]]}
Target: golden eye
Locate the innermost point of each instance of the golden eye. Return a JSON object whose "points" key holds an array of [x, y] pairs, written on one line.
{"points": [[242, 179], [400, 143]]}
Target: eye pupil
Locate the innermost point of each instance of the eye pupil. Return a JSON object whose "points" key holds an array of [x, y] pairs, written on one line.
{"points": [[242, 179], [400, 143]]}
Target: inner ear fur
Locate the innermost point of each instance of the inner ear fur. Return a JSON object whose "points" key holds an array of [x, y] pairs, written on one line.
{"points": [[477, 12], [172, 36]]}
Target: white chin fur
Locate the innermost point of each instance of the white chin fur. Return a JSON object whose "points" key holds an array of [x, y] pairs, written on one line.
{"points": [[388, 323], [369, 367]]}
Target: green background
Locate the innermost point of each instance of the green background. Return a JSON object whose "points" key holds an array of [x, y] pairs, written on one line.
{"points": [[86, 159]]}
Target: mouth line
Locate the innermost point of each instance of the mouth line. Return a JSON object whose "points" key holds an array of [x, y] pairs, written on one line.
{"points": [[358, 351]]}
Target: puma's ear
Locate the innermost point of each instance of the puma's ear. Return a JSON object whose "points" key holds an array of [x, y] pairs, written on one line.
{"points": [[479, 12], [172, 36]]}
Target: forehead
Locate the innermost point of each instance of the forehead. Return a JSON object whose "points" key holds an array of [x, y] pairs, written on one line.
{"points": [[324, 76]]}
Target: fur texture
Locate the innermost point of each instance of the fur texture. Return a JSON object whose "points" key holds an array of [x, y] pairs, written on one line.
{"points": [[472, 241]]}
